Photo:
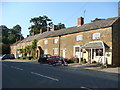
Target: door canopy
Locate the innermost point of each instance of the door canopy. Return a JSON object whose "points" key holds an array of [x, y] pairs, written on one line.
{"points": [[95, 45]]}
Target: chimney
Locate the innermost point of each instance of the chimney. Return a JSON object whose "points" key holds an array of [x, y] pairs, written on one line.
{"points": [[33, 33], [41, 31], [20, 38], [48, 29], [80, 21], [53, 27], [16, 40]]}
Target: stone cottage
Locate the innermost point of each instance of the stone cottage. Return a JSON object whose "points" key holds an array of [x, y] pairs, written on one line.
{"points": [[93, 42]]}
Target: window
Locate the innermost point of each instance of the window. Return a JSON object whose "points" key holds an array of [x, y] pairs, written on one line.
{"points": [[46, 42], [79, 37], [45, 51], [96, 36], [55, 51], [55, 41]]}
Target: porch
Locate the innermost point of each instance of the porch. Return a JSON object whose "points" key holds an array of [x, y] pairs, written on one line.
{"points": [[96, 51]]}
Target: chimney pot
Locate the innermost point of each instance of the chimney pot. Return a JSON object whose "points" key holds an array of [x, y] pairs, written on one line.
{"points": [[80, 21], [53, 27], [48, 29], [16, 40], [41, 31], [33, 33]]}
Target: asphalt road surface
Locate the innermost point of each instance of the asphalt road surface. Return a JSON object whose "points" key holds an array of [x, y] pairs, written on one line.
{"points": [[34, 75]]}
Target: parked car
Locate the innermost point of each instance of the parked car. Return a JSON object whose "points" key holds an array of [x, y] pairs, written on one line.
{"points": [[8, 56], [43, 58], [54, 59]]}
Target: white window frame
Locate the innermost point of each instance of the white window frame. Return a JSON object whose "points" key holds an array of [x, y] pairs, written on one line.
{"points": [[45, 42], [79, 37], [55, 51], [95, 36], [55, 41]]}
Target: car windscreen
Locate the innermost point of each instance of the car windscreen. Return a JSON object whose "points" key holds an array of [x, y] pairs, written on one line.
{"points": [[54, 57]]}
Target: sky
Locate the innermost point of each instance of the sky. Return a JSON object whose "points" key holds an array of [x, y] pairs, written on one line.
{"points": [[20, 13]]}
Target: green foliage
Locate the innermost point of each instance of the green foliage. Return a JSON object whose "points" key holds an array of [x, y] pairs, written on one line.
{"points": [[5, 48], [59, 26], [38, 23], [83, 61], [73, 60], [9, 36], [42, 22], [34, 46], [31, 49], [96, 19]]}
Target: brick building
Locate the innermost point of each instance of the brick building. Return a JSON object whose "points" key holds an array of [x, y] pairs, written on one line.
{"points": [[96, 41]]}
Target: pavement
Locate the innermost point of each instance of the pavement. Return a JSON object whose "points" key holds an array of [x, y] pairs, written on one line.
{"points": [[96, 67], [85, 66]]}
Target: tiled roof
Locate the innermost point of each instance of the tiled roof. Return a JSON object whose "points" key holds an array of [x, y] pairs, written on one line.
{"points": [[85, 27]]}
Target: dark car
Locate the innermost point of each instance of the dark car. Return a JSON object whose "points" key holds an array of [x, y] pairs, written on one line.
{"points": [[8, 56], [43, 58], [53, 59]]}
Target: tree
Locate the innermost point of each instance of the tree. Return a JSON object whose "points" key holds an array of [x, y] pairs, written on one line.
{"points": [[34, 47], [96, 19], [28, 49], [9, 36], [41, 22], [60, 26]]}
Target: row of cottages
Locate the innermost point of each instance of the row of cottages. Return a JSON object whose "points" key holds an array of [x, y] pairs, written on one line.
{"points": [[95, 41]]}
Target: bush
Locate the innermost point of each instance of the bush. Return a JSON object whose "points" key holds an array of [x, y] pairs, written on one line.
{"points": [[83, 61], [73, 60], [24, 57]]}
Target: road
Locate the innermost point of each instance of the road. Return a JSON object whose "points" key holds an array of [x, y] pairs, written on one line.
{"points": [[34, 75]]}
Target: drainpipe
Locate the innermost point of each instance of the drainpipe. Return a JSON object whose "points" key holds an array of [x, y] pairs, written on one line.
{"points": [[59, 44]]}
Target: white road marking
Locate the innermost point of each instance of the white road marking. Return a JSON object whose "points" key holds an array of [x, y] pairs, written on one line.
{"points": [[85, 88], [16, 68], [44, 76]]}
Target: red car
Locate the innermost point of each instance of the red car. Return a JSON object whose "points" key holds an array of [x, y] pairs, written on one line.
{"points": [[55, 58]]}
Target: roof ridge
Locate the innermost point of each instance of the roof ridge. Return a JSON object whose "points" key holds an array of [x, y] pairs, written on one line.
{"points": [[88, 26]]}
